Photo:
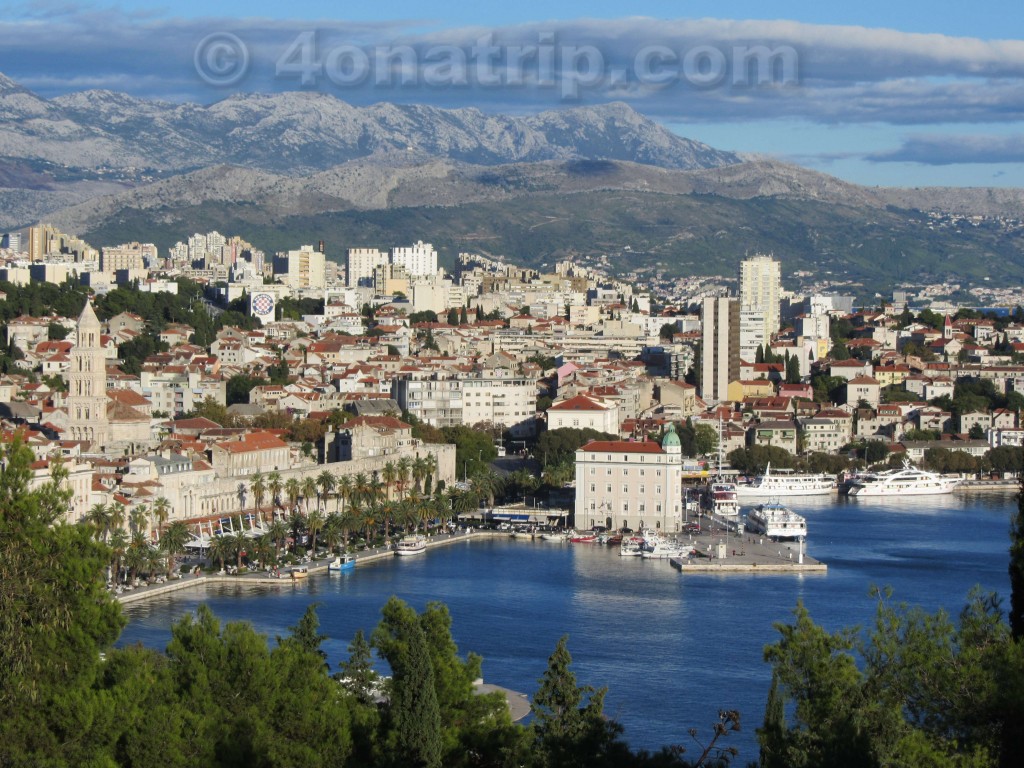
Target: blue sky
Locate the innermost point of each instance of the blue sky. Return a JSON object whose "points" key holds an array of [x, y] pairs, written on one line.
{"points": [[874, 92]]}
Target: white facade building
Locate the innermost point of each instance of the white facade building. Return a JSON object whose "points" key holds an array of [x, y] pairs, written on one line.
{"points": [[360, 264], [419, 260], [760, 289], [622, 484]]}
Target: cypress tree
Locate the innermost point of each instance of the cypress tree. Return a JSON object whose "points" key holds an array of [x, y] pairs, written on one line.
{"points": [[1017, 569], [772, 735]]}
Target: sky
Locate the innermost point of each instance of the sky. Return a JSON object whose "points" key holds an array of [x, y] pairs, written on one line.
{"points": [[877, 93]]}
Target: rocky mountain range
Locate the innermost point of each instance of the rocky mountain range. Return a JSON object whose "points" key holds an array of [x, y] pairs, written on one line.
{"points": [[289, 166]]}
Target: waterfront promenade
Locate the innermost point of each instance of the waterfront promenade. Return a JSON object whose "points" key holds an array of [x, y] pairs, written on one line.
{"points": [[266, 578]]}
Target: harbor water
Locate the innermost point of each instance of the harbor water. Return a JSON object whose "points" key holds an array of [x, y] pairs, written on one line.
{"points": [[673, 649]]}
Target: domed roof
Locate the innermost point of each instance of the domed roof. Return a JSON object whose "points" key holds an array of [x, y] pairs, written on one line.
{"points": [[671, 439]]}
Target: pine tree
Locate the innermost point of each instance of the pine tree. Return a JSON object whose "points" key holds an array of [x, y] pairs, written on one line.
{"points": [[568, 720]]}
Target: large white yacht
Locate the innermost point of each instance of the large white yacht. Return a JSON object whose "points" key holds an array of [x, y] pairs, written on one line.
{"points": [[720, 499], [770, 486], [908, 481], [776, 521]]}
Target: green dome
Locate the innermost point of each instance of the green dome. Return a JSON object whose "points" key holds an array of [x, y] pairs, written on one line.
{"points": [[671, 439]]}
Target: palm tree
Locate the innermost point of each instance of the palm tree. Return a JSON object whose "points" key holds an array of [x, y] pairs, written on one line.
{"points": [[387, 512], [239, 544], [404, 467], [136, 556], [407, 515], [118, 544], [293, 489], [296, 525], [375, 490], [314, 524], [161, 511], [221, 548], [259, 491], [344, 489], [419, 472], [173, 542], [99, 517], [309, 490], [388, 475], [117, 513], [486, 484], [332, 530], [351, 520], [369, 522], [430, 462], [274, 487], [325, 483], [138, 517], [263, 547], [278, 532], [360, 489]]}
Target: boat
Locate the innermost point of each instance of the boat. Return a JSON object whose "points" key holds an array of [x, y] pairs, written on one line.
{"points": [[301, 572], [721, 499], [785, 484], [776, 521], [631, 547], [556, 536], [908, 481], [410, 545], [666, 549], [585, 537], [342, 563]]}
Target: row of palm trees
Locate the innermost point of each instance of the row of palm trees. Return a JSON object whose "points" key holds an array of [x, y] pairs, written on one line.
{"points": [[407, 476], [372, 504], [133, 550]]}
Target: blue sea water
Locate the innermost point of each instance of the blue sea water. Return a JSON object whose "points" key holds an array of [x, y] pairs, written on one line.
{"points": [[673, 650]]}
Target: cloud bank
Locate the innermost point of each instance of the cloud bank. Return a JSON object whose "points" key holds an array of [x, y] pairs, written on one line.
{"points": [[842, 74]]}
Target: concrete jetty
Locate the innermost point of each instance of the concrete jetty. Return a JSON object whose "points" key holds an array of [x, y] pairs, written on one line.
{"points": [[721, 550]]}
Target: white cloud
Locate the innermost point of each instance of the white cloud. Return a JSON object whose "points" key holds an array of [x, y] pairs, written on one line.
{"points": [[842, 74]]}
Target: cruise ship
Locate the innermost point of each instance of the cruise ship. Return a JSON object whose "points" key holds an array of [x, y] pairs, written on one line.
{"points": [[908, 481], [776, 521], [769, 486]]}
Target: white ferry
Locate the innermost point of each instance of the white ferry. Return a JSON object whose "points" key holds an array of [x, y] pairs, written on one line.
{"points": [[776, 521], [908, 481], [410, 545], [769, 486]]}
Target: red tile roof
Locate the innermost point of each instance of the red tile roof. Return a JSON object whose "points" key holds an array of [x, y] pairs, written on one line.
{"points": [[622, 446]]}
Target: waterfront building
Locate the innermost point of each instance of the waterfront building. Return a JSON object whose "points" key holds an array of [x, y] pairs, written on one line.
{"points": [[622, 484]]}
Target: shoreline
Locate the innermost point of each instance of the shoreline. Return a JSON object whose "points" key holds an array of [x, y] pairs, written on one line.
{"points": [[261, 579]]}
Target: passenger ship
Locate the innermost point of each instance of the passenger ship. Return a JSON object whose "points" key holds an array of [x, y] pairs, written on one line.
{"points": [[769, 486], [776, 522], [908, 481]]}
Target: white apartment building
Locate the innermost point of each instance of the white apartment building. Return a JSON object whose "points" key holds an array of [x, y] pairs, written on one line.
{"points": [[753, 334], [444, 399], [360, 264], [434, 398], [508, 402], [621, 484], [304, 268], [760, 289], [419, 260]]}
